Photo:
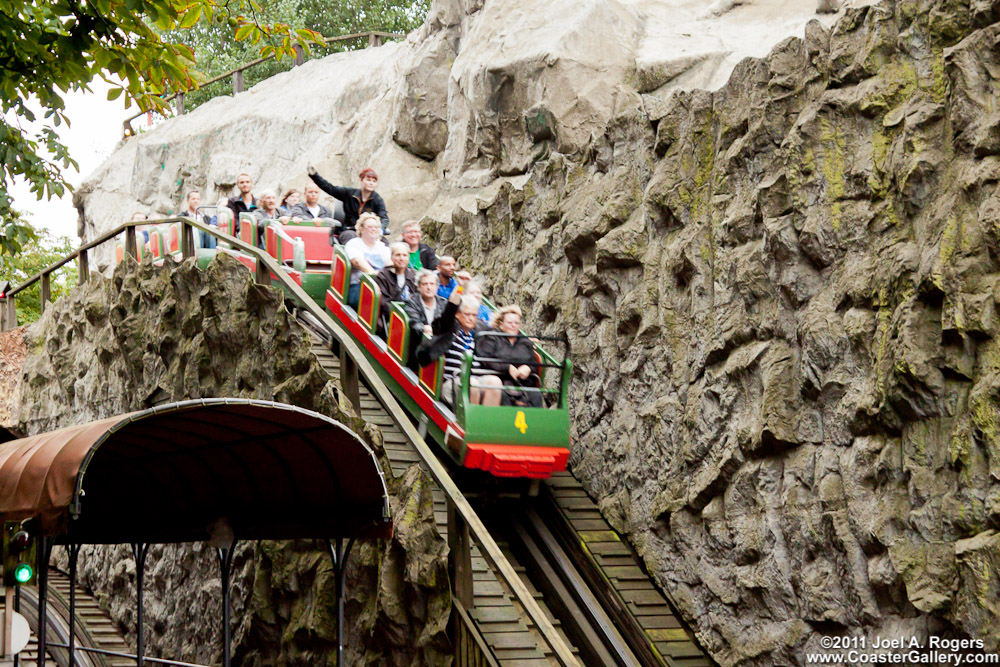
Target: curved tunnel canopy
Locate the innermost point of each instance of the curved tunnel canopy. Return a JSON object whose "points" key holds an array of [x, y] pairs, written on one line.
{"points": [[272, 471]]}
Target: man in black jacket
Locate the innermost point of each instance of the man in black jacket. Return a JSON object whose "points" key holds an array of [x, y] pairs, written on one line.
{"points": [[396, 282], [424, 310], [244, 202], [355, 200]]}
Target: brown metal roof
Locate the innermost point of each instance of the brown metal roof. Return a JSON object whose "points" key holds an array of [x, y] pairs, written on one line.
{"points": [[272, 471]]}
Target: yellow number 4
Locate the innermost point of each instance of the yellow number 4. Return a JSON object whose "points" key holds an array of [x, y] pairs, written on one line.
{"points": [[520, 423]]}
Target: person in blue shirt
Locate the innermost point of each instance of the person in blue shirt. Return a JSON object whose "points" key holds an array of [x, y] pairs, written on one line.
{"points": [[475, 290], [446, 276]]}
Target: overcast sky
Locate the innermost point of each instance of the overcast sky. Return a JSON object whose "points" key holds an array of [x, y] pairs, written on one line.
{"points": [[96, 128]]}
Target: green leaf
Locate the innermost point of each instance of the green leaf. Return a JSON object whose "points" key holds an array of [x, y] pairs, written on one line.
{"points": [[244, 31], [114, 94], [191, 17]]}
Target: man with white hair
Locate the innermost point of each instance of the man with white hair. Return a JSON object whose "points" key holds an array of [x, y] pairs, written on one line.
{"points": [[459, 324], [267, 210]]}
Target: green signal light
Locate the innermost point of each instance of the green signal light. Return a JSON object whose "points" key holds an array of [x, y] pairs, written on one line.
{"points": [[23, 573]]}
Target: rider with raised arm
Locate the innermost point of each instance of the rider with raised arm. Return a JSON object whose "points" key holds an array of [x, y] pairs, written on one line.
{"points": [[355, 200]]}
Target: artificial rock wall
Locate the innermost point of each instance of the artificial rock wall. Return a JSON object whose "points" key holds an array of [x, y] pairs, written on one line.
{"points": [[781, 298], [781, 295], [152, 335]]}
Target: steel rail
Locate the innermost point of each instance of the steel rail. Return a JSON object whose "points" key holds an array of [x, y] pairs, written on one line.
{"points": [[490, 550]]}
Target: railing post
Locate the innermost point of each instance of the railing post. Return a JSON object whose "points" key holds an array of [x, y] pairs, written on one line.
{"points": [[139, 553], [180, 104], [8, 314], [374, 40], [83, 267], [187, 240], [237, 82], [300, 56], [262, 274], [130, 248], [459, 557], [43, 552], [349, 380], [46, 292], [225, 556]]}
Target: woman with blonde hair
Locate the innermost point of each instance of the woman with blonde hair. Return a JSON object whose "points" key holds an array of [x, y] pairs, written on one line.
{"points": [[512, 357]]}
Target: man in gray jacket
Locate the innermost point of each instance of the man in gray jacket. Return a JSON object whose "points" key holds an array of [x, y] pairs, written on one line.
{"points": [[311, 209]]}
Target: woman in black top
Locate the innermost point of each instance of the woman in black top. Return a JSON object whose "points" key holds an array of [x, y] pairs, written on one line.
{"points": [[515, 358], [355, 200]]}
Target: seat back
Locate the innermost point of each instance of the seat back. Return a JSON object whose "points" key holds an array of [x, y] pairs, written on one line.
{"points": [[157, 247], [227, 223], [172, 238], [316, 241], [248, 229], [275, 245], [398, 336], [340, 274], [368, 303], [431, 377], [541, 369], [338, 211]]}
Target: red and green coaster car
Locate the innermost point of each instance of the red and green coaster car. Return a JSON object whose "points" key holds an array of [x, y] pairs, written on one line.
{"points": [[505, 441]]}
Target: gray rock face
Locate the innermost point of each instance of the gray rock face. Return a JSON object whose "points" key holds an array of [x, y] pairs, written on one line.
{"points": [[477, 94], [154, 335], [781, 301]]}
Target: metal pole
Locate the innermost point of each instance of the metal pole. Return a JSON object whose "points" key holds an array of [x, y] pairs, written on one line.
{"points": [[43, 593], [8, 621], [74, 553], [139, 551], [225, 557], [339, 556], [17, 608]]}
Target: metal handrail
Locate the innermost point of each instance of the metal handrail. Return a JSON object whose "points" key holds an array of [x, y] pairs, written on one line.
{"points": [[489, 548], [253, 63]]}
